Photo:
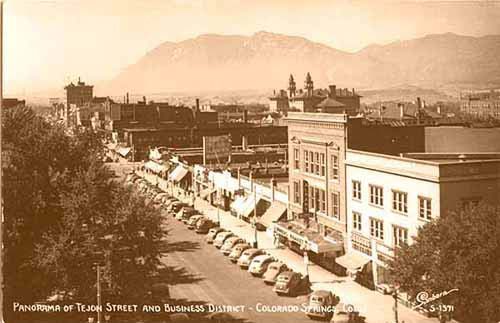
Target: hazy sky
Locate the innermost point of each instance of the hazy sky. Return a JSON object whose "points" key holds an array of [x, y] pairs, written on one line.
{"points": [[47, 42]]}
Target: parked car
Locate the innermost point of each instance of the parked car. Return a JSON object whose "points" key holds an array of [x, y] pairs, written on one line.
{"points": [[291, 283], [321, 304], [237, 250], [212, 233], [259, 265], [191, 223], [247, 257], [273, 271], [229, 244], [188, 212], [221, 237], [175, 207], [345, 313], [204, 225]]}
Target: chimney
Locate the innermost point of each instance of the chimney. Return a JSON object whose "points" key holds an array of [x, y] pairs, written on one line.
{"points": [[244, 143], [353, 93], [333, 91], [401, 110], [346, 92], [245, 116], [144, 99], [127, 98], [419, 103], [197, 105], [439, 109]]}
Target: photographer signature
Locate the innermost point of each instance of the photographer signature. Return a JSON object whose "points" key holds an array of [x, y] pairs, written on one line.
{"points": [[424, 298]]}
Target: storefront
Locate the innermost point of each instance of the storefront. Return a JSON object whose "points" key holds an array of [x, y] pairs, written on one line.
{"points": [[319, 250], [274, 213]]}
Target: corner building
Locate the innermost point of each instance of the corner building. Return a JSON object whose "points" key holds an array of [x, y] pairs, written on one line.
{"points": [[316, 221]]}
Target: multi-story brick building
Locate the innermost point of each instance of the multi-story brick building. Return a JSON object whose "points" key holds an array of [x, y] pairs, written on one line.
{"points": [[331, 100], [481, 104], [316, 223], [389, 198], [76, 96]]}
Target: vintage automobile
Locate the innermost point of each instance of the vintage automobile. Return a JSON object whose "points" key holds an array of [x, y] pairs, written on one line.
{"points": [[175, 207], [259, 265], [247, 257], [188, 212], [221, 238], [229, 244], [345, 313], [291, 284], [203, 225], [321, 305], [212, 233], [273, 271], [237, 250], [191, 223]]}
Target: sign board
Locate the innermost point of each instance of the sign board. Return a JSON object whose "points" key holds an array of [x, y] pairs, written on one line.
{"points": [[305, 197], [216, 149]]}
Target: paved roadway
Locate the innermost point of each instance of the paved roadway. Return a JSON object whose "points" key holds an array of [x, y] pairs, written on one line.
{"points": [[202, 274]]}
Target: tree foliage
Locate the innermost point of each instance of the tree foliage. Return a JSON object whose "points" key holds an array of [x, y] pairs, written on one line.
{"points": [[459, 250], [64, 212]]}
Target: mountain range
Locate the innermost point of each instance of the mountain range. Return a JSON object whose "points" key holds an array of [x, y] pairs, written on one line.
{"points": [[265, 60]]}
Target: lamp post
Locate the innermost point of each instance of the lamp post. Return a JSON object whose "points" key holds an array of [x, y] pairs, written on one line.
{"points": [[395, 296], [255, 217]]}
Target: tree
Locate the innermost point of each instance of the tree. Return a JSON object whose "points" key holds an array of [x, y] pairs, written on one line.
{"points": [[461, 251], [65, 211]]}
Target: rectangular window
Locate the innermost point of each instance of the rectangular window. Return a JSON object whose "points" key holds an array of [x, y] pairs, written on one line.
{"points": [[377, 228], [316, 163], [335, 167], [336, 205], [306, 161], [296, 192], [424, 208], [312, 197], [296, 158], [323, 164], [322, 199], [400, 236], [400, 201], [356, 221], [311, 160], [376, 195], [356, 190]]}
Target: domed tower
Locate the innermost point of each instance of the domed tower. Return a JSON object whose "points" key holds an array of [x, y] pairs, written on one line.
{"points": [[291, 86], [309, 85]]}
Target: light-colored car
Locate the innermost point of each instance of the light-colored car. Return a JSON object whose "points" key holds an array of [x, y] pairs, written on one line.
{"points": [[259, 265], [221, 237], [247, 257], [321, 305], [204, 225], [229, 244], [345, 313], [273, 271], [212, 233], [237, 250], [191, 223]]}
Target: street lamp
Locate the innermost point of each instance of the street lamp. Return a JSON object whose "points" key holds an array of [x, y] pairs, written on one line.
{"points": [[395, 296], [255, 217]]}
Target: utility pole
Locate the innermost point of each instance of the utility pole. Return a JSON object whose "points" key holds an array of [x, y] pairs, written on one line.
{"points": [[395, 296], [98, 294], [255, 216], [1, 177]]}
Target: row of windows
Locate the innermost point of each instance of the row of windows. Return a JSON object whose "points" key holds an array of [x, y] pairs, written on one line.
{"points": [[399, 200], [317, 199], [315, 163], [400, 235]]}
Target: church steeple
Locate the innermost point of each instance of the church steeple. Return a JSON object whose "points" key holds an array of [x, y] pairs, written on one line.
{"points": [[291, 86], [309, 85]]}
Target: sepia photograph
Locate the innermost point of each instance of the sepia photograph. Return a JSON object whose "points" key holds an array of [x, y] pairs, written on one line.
{"points": [[250, 161]]}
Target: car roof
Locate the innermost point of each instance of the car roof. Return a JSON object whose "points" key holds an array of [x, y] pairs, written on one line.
{"points": [[262, 257], [321, 293], [242, 244], [288, 273]]}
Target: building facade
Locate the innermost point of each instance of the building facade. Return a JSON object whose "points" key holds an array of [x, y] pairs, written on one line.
{"points": [[389, 198], [316, 218], [481, 104]]}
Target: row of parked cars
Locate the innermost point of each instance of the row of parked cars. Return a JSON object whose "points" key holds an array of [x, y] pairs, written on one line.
{"points": [[321, 304]]}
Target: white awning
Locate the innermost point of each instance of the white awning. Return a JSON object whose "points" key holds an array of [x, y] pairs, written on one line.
{"points": [[273, 213], [124, 151], [178, 174], [205, 193], [238, 204], [249, 206], [352, 260], [325, 246], [155, 167]]}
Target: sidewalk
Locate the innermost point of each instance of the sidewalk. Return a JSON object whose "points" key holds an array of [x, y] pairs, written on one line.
{"points": [[377, 308]]}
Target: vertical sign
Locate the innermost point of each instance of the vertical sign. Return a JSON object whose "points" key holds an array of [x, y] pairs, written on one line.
{"points": [[305, 197]]}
